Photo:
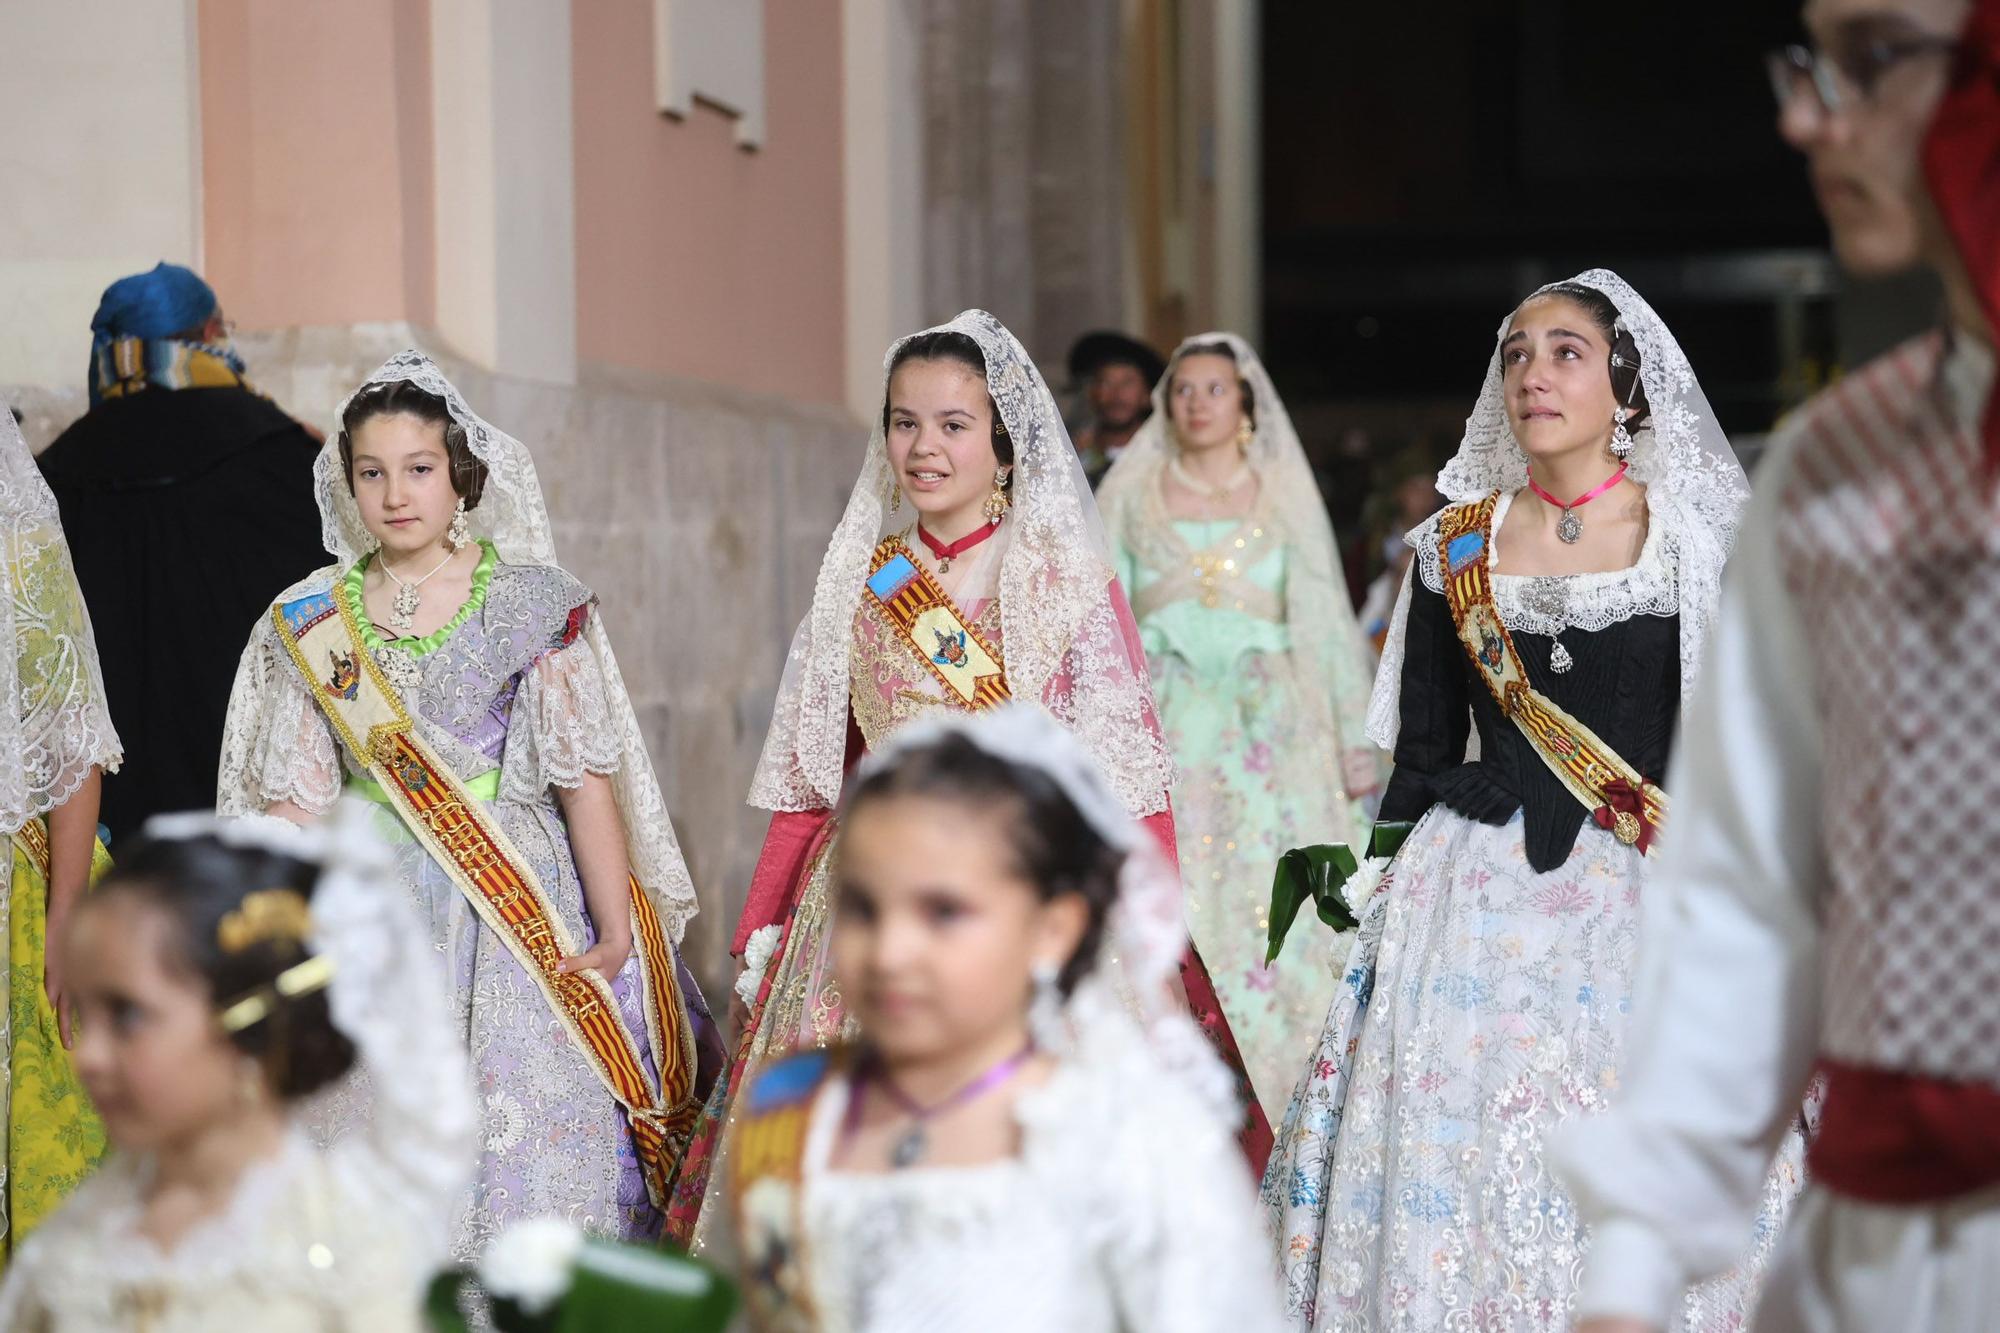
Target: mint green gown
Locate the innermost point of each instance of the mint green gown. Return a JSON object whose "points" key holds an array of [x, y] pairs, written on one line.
{"points": [[1257, 774]]}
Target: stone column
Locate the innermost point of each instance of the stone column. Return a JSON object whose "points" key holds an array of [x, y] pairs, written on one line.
{"points": [[1024, 184], [506, 188]]}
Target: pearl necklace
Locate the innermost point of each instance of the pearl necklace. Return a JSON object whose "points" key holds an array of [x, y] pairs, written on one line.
{"points": [[1209, 491]]}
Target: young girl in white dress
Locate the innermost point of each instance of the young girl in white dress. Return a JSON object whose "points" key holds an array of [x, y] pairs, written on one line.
{"points": [[1031, 1132], [221, 976]]}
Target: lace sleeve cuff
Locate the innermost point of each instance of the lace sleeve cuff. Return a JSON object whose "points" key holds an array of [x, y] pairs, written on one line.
{"points": [[562, 726], [295, 757]]}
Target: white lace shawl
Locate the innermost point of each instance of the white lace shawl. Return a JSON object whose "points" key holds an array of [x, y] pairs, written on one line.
{"points": [[1319, 617], [380, 1199], [1060, 634], [1695, 493], [260, 762], [54, 724]]}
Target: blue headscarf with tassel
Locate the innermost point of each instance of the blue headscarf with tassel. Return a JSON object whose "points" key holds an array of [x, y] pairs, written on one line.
{"points": [[139, 336]]}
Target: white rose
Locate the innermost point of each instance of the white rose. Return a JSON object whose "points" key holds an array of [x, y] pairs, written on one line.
{"points": [[1361, 885], [530, 1263], [757, 953]]}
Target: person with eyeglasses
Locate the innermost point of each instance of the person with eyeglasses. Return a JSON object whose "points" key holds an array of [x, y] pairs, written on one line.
{"points": [[1829, 905]]}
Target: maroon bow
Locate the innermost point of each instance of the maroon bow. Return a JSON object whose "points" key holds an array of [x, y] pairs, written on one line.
{"points": [[1621, 797]]}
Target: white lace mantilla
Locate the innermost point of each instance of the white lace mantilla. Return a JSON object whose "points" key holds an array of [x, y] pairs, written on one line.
{"points": [[1065, 647], [1695, 493]]}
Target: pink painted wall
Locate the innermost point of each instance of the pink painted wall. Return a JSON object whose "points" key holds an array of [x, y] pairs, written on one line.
{"points": [[695, 257], [316, 161]]}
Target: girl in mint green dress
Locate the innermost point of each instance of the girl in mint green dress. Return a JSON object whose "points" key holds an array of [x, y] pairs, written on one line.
{"points": [[1259, 669]]}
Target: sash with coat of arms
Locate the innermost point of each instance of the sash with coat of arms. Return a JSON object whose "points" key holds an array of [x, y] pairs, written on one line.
{"points": [[1617, 795]]}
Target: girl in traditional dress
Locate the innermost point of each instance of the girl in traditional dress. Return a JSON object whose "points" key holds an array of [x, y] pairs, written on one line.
{"points": [[1259, 669], [970, 567], [56, 742], [227, 971], [1027, 1131], [1487, 994], [450, 671]]}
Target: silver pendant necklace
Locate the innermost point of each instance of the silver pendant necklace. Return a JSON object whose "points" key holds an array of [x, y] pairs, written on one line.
{"points": [[1569, 528], [911, 1145], [403, 611], [1548, 599]]}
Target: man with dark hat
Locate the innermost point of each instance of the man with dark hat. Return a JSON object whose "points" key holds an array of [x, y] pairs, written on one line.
{"points": [[1117, 374], [187, 499]]}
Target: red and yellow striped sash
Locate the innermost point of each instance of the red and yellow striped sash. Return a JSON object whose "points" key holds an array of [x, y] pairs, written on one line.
{"points": [[1616, 794], [500, 883]]}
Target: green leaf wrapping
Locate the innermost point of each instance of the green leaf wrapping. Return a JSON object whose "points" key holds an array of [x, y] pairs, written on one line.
{"points": [[613, 1289], [1318, 874]]}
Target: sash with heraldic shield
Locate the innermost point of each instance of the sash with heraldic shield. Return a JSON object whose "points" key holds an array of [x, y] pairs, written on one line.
{"points": [[325, 644], [971, 670], [767, 1185], [1617, 795]]}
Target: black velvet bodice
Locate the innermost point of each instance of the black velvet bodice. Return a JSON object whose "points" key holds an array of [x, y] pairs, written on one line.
{"points": [[1625, 686]]}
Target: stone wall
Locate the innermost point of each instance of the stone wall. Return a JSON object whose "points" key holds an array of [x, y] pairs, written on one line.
{"points": [[697, 514]]}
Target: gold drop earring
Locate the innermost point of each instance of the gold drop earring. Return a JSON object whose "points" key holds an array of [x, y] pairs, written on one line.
{"points": [[999, 501]]}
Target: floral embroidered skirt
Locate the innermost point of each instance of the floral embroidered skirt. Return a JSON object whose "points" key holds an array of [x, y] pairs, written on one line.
{"points": [[54, 1138], [1253, 782], [1482, 1004]]}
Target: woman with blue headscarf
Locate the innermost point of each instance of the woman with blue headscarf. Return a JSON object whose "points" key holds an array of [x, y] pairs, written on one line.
{"points": [[179, 467]]}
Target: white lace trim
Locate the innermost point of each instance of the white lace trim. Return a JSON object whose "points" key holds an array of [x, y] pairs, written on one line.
{"points": [[561, 728], [1550, 604], [54, 723]]}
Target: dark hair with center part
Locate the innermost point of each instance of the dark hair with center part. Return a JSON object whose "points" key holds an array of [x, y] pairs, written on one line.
{"points": [[1625, 384], [468, 474], [949, 345], [1228, 353], [196, 883], [1055, 848]]}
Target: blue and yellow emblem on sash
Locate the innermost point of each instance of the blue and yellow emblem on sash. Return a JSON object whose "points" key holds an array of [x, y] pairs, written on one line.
{"points": [[971, 670]]}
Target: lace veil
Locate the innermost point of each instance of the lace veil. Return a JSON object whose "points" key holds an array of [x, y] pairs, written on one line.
{"points": [[54, 723], [1137, 977], [1695, 488], [1064, 640], [513, 516], [1319, 617]]}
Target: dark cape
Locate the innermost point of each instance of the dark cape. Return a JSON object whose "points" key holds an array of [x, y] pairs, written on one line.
{"points": [[187, 512]]}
